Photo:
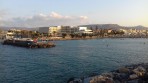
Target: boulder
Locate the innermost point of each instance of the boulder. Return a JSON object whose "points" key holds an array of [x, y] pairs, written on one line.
{"points": [[109, 75], [101, 79], [121, 77], [140, 71], [145, 77], [133, 76], [133, 81], [123, 70], [74, 80]]}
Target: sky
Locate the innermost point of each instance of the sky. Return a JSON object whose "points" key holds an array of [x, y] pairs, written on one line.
{"points": [[37, 13]]}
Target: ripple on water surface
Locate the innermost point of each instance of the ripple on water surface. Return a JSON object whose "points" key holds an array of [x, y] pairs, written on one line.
{"points": [[75, 58]]}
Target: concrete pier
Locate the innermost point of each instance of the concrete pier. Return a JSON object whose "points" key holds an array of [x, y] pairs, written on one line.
{"points": [[28, 43]]}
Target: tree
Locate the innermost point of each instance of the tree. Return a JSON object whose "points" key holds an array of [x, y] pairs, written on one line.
{"points": [[34, 34], [84, 35], [72, 35], [64, 35], [101, 32], [24, 33], [90, 35]]}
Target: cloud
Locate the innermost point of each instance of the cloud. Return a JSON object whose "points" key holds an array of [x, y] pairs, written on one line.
{"points": [[40, 20], [2, 15], [55, 15], [84, 17]]}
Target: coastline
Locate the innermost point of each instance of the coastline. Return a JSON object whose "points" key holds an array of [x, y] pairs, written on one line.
{"points": [[87, 38], [136, 73]]}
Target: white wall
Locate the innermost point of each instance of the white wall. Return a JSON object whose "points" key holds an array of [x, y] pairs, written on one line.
{"points": [[82, 28]]}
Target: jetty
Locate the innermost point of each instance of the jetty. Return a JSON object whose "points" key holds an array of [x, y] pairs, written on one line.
{"points": [[137, 73], [28, 43]]}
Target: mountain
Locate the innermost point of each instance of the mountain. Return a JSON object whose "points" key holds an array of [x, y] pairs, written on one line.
{"points": [[138, 27], [90, 26], [102, 26], [112, 26], [21, 28]]}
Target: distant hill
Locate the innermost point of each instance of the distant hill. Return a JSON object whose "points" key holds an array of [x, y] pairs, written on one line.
{"points": [[90, 26], [102, 26], [111, 26], [21, 28], [137, 27]]}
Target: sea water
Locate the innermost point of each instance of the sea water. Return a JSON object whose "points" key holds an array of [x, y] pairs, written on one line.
{"points": [[71, 58]]}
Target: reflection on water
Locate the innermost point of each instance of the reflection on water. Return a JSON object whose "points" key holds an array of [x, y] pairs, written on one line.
{"points": [[75, 58]]}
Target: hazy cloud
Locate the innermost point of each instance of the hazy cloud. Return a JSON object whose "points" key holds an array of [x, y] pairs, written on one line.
{"points": [[51, 19], [2, 14]]}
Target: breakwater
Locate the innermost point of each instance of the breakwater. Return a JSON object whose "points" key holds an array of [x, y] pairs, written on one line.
{"points": [[137, 73], [28, 44]]}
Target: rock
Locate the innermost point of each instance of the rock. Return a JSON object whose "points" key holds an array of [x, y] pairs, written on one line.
{"points": [[117, 81], [123, 70], [109, 80], [145, 77], [109, 75], [121, 77], [133, 81], [101, 79], [74, 80], [140, 71], [70, 80], [133, 76], [128, 74]]}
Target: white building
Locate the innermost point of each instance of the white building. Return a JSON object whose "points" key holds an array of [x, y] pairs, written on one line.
{"points": [[53, 30], [85, 30], [12, 33]]}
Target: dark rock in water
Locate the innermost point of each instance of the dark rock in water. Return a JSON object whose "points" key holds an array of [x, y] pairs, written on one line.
{"points": [[145, 77], [133, 81], [117, 81], [74, 80], [70, 79], [121, 77], [93, 74], [123, 70]]}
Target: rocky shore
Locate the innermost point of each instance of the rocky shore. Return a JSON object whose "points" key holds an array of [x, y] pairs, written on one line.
{"points": [[137, 73]]}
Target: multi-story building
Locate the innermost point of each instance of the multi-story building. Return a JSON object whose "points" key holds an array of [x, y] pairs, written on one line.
{"points": [[85, 30], [74, 29], [53, 30], [44, 29], [65, 29], [12, 33], [59, 30]]}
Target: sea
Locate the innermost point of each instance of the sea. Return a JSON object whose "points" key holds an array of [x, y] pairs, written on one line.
{"points": [[70, 58]]}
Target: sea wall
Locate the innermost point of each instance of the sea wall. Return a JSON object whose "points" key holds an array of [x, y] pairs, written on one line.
{"points": [[29, 44]]}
